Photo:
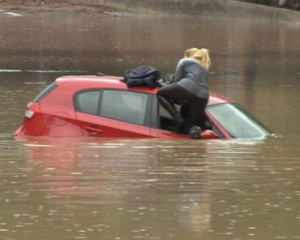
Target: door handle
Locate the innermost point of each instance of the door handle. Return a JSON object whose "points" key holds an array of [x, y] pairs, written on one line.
{"points": [[92, 129]]}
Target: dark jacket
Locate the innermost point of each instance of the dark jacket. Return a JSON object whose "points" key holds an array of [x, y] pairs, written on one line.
{"points": [[142, 75], [192, 76]]}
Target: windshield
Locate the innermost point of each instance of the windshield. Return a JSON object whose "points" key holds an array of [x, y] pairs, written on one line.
{"points": [[237, 121]]}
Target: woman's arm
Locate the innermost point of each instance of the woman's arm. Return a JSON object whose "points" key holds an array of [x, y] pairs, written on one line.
{"points": [[179, 73]]}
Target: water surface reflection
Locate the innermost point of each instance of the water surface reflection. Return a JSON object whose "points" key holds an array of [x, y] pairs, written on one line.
{"points": [[139, 186], [151, 189], [148, 188]]}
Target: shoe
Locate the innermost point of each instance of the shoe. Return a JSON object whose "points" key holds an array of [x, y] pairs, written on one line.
{"points": [[195, 132]]}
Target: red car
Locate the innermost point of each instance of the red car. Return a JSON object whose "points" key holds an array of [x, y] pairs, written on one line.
{"points": [[104, 106]]}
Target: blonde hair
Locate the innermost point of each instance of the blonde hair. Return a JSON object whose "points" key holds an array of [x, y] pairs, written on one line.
{"points": [[202, 56], [190, 51]]}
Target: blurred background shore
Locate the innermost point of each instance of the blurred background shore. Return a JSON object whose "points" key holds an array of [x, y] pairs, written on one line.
{"points": [[274, 9]]}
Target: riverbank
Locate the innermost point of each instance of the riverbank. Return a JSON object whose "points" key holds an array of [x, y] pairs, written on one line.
{"points": [[211, 8], [32, 6]]}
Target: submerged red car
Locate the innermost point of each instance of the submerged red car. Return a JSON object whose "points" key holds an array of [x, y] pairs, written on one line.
{"points": [[104, 106]]}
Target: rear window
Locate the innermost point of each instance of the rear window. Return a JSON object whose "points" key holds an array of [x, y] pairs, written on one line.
{"points": [[45, 92], [88, 102]]}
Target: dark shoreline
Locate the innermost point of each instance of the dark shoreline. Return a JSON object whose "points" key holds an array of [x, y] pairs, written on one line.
{"points": [[32, 6], [205, 8]]}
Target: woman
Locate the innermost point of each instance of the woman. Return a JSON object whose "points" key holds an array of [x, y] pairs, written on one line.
{"points": [[190, 51], [187, 53], [189, 85]]}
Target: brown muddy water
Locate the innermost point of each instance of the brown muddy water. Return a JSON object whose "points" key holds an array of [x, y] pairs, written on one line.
{"points": [[151, 188]]}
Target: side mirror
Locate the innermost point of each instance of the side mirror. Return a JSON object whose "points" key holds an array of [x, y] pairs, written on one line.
{"points": [[208, 134]]}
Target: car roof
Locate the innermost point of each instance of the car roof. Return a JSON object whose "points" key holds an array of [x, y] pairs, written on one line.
{"points": [[91, 81]]}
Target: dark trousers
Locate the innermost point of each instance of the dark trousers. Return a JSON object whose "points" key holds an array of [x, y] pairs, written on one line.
{"points": [[195, 105]]}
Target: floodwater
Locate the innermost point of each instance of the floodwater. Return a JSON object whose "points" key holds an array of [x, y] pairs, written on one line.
{"points": [[152, 189]]}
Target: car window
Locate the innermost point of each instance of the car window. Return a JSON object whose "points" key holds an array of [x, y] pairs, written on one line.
{"points": [[237, 121], [45, 92], [124, 105], [88, 102]]}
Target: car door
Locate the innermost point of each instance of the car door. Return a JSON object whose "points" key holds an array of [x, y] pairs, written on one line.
{"points": [[162, 123], [113, 113]]}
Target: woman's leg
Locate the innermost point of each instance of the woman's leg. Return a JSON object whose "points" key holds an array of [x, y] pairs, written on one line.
{"points": [[197, 112], [170, 92], [195, 104]]}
